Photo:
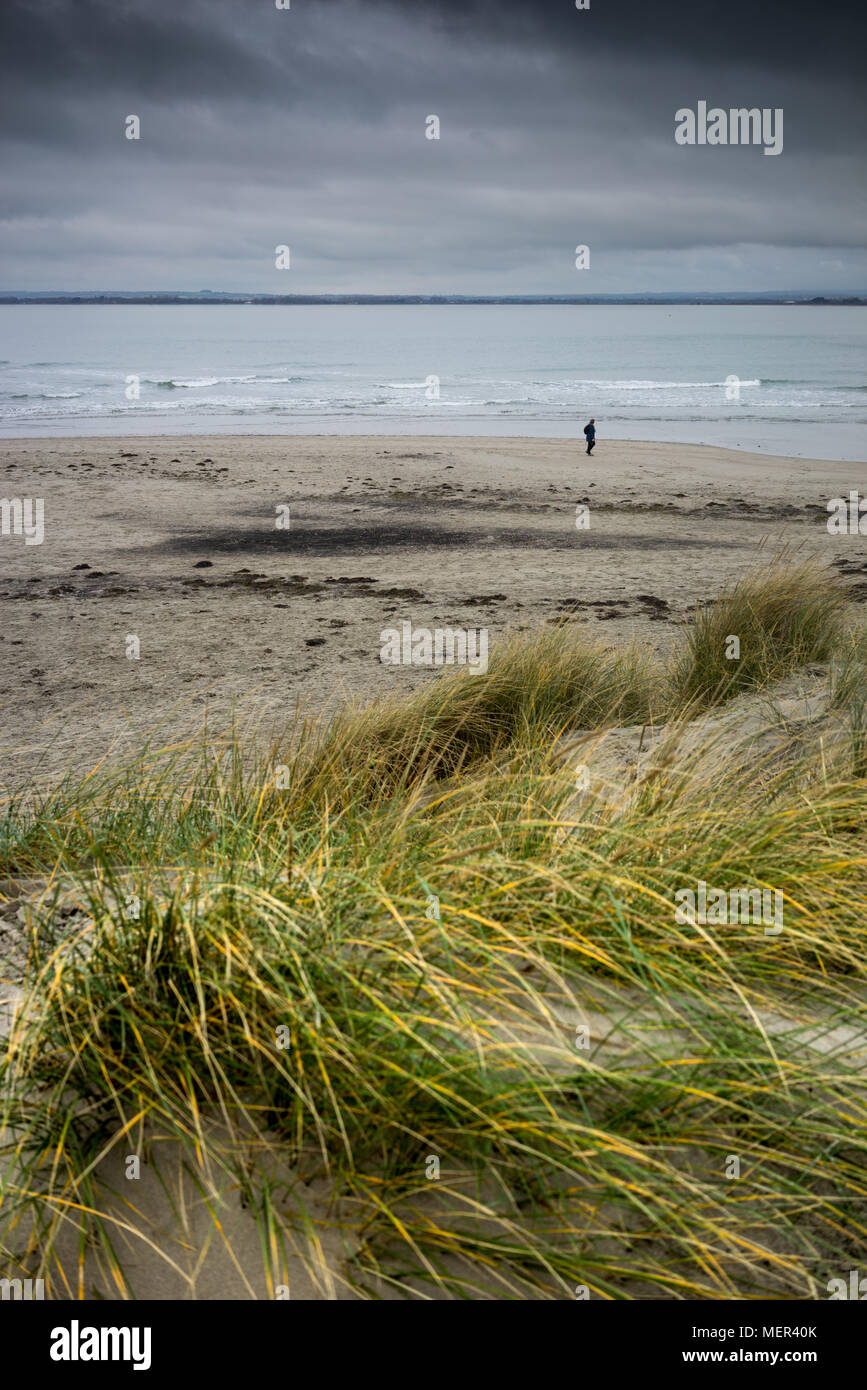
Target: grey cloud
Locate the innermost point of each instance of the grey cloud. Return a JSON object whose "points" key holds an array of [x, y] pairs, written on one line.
{"points": [[306, 126]]}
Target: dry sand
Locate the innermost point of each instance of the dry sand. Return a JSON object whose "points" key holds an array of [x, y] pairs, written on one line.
{"points": [[173, 540]]}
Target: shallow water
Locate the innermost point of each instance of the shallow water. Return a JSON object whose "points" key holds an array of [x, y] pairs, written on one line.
{"points": [[786, 379]]}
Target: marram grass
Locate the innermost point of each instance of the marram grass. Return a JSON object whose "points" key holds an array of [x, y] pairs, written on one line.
{"points": [[782, 617], [468, 965]]}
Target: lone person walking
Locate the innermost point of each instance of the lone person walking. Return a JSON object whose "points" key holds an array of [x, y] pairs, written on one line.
{"points": [[590, 433]]}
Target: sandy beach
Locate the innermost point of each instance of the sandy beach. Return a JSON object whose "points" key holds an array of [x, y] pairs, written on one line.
{"points": [[164, 591], [174, 541]]}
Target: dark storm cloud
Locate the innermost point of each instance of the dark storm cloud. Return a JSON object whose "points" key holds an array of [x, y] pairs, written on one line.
{"points": [[306, 126], [786, 35]]}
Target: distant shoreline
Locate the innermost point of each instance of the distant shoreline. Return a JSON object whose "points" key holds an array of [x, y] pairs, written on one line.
{"points": [[208, 298]]}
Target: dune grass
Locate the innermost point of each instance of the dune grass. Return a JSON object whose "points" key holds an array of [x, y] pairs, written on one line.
{"points": [[475, 969], [536, 685], [783, 616]]}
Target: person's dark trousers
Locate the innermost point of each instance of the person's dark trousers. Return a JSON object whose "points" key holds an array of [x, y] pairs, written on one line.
{"points": [[590, 443]]}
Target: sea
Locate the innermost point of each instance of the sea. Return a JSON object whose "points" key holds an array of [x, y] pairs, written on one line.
{"points": [[786, 379]]}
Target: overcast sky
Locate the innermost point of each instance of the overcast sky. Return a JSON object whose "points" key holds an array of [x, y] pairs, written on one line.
{"points": [[306, 127]]}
